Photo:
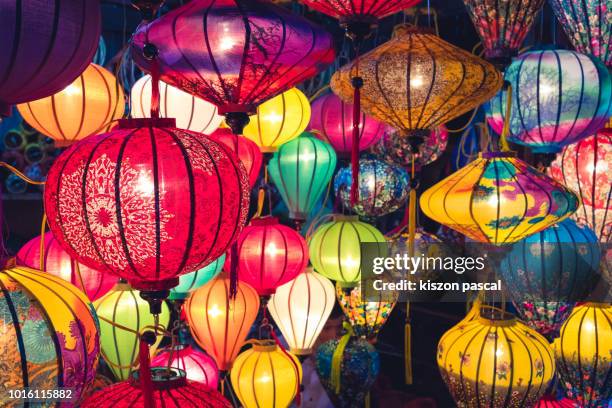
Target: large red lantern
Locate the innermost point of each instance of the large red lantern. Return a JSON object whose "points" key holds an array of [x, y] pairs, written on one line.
{"points": [[197, 365], [147, 202], [234, 53], [247, 151], [57, 262]]}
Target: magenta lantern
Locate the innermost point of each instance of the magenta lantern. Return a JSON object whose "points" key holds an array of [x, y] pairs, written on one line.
{"points": [[197, 365], [147, 201], [248, 152], [57, 262], [233, 53]]}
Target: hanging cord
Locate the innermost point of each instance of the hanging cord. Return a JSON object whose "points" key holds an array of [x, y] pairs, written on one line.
{"points": [[318, 93], [464, 127], [408, 346], [357, 83], [503, 142], [22, 176]]}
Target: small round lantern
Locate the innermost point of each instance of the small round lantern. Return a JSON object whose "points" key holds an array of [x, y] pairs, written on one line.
{"points": [[197, 365], [191, 113], [335, 248], [495, 361], [218, 323], [395, 149], [87, 106], [366, 317], [583, 352], [57, 262], [301, 169], [49, 335], [124, 306], [300, 309], [246, 150], [266, 376], [270, 254], [193, 280], [498, 199], [383, 187]]}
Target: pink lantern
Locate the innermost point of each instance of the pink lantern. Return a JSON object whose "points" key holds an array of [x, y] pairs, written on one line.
{"points": [[248, 152], [197, 365], [57, 262]]}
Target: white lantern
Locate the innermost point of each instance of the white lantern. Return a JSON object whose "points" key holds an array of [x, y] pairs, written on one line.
{"points": [[300, 309], [191, 113]]}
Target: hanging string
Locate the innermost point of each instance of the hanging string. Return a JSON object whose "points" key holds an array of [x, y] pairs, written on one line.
{"points": [[412, 202], [408, 346], [155, 89], [503, 142], [336, 364], [41, 250], [464, 127], [21, 175], [146, 382]]}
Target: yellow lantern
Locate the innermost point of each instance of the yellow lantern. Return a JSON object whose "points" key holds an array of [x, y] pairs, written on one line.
{"points": [[300, 309], [266, 376], [279, 120], [85, 107], [495, 361], [584, 352]]}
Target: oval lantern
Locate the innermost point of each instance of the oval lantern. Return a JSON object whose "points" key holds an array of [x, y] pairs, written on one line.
{"points": [[383, 187], [147, 202], [558, 98], [193, 280], [57, 262], [583, 352], [301, 170], [119, 347], [495, 360], [365, 316], [266, 376], [218, 323], [270, 254], [240, 54], [498, 199], [197, 365], [170, 389], [279, 120], [47, 46], [246, 150], [88, 106], [335, 248], [395, 149], [49, 334], [191, 113], [300, 309], [332, 121]]}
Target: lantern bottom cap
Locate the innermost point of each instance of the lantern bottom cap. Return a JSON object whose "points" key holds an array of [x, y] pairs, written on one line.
{"points": [[163, 378], [154, 285], [63, 142], [301, 352]]}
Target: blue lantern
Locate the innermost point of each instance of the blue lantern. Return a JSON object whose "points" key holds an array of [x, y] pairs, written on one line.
{"points": [[191, 281]]}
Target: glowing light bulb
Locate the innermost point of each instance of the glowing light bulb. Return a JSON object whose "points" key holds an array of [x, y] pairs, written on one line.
{"points": [[145, 185], [72, 90], [499, 352], [273, 117], [545, 89], [226, 44], [416, 82], [271, 249], [214, 311]]}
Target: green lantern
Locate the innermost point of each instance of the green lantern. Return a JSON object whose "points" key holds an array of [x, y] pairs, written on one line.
{"points": [[301, 169], [191, 281], [335, 248], [123, 307]]}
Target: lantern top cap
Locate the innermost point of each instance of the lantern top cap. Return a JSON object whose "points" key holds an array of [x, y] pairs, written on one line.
{"points": [[265, 346], [264, 221], [134, 123], [404, 29], [598, 305], [497, 155], [493, 316], [122, 287], [347, 218], [163, 378]]}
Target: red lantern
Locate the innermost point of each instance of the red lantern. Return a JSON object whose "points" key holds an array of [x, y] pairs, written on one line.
{"points": [[234, 53], [360, 10], [57, 262], [269, 255], [549, 401], [197, 365], [248, 152], [332, 120], [171, 389], [147, 201], [46, 46]]}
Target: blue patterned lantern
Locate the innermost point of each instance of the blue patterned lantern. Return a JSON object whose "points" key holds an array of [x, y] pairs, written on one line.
{"points": [[558, 98], [191, 281], [547, 272]]}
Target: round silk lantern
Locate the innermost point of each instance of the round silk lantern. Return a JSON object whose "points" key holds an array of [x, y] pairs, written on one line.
{"points": [[332, 121], [237, 55], [191, 113], [495, 361], [583, 352], [147, 202], [558, 98], [270, 254], [197, 365], [300, 309], [266, 376], [359, 365], [193, 280], [47, 45], [548, 401], [57, 262], [218, 323], [366, 317], [502, 27], [547, 272], [395, 149], [417, 81], [171, 389], [335, 248], [49, 335], [383, 187], [86, 107], [279, 120], [498, 199], [246, 150], [301, 169], [125, 307]]}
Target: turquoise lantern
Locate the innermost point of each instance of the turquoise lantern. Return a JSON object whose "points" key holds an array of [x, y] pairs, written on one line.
{"points": [[191, 281]]}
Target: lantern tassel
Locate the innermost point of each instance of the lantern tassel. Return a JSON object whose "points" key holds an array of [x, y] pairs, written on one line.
{"points": [[354, 195], [146, 384], [233, 288], [408, 347], [337, 358], [503, 141], [412, 200]]}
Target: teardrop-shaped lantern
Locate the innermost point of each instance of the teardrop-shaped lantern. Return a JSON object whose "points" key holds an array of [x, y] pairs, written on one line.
{"points": [[246, 150], [197, 365], [366, 316], [395, 149], [498, 199], [193, 280]]}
